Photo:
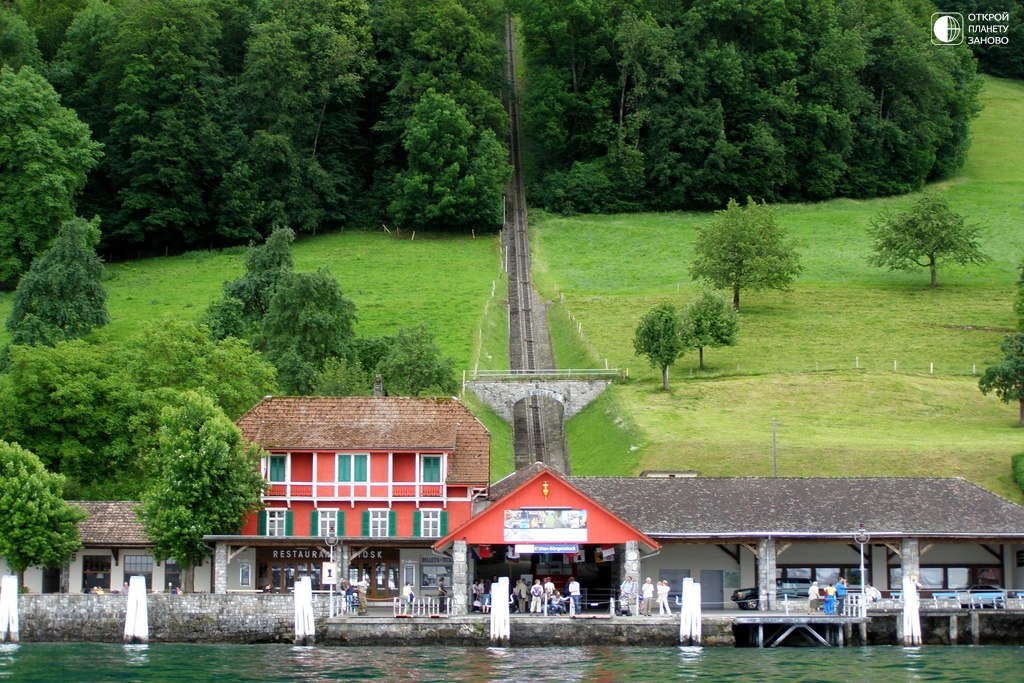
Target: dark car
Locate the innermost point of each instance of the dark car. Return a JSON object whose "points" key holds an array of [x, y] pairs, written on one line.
{"points": [[792, 589]]}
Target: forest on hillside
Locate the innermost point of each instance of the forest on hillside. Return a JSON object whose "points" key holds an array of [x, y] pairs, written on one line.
{"points": [[187, 124]]}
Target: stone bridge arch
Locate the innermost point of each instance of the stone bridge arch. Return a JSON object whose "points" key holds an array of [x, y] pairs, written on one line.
{"points": [[573, 394]]}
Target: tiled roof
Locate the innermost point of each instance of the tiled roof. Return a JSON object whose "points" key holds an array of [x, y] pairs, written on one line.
{"points": [[706, 506], [507, 485], [374, 423], [111, 524]]}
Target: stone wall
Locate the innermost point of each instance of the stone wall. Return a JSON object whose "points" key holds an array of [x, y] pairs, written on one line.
{"points": [[234, 618], [259, 618]]}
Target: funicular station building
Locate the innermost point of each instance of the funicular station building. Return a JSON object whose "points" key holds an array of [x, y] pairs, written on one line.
{"points": [[397, 491]]}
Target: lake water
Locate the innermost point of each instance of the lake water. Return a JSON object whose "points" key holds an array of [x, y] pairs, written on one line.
{"points": [[81, 662]]}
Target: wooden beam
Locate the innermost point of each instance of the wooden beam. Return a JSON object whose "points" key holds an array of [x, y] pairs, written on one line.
{"points": [[734, 555]]}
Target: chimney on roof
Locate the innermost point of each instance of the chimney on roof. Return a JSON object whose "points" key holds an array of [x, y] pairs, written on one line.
{"points": [[378, 386]]}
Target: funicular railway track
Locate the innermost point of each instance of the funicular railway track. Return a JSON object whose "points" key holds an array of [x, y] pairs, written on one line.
{"points": [[538, 435]]}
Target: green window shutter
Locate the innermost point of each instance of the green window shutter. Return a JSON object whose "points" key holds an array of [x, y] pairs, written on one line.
{"points": [[314, 523], [344, 467], [444, 523], [262, 523], [289, 523], [392, 526], [416, 522], [340, 528], [359, 467], [277, 468], [366, 523]]}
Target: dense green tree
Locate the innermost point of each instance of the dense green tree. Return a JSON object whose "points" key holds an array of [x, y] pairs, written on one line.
{"points": [[203, 480], [91, 411], [171, 138], [305, 66], [309, 321], [414, 365], [925, 235], [1006, 378], [709, 320], [456, 173], [744, 248], [45, 154], [343, 377], [265, 266], [18, 44], [62, 296], [657, 337], [37, 527]]}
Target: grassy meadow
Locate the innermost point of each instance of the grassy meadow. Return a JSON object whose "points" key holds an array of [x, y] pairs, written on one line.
{"points": [[818, 360], [864, 371]]}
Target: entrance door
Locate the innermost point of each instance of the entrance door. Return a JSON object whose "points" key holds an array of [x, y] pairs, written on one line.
{"points": [[380, 568], [712, 589]]}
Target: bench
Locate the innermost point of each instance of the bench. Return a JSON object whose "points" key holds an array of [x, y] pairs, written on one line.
{"points": [[993, 599], [946, 599]]}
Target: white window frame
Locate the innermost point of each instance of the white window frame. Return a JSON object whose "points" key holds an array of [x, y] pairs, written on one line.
{"points": [[430, 523], [326, 519], [379, 523], [277, 522]]}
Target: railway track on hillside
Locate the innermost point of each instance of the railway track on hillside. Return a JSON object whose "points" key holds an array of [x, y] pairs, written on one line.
{"points": [[538, 432]]}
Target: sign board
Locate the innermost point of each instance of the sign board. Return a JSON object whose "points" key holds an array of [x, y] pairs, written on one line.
{"points": [[560, 548], [555, 525], [329, 574]]}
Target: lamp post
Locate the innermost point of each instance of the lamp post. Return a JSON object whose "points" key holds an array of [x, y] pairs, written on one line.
{"points": [[331, 541], [861, 537]]}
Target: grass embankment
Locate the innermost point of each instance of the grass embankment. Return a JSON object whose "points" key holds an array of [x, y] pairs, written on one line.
{"points": [[819, 359]]}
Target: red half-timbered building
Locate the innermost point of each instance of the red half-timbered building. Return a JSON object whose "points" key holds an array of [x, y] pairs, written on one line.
{"points": [[385, 476]]}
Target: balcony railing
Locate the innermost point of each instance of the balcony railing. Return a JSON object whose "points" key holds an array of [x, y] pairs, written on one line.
{"points": [[356, 491]]}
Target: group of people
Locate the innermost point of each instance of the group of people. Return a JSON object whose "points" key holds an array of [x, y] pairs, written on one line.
{"points": [[649, 592], [832, 598]]}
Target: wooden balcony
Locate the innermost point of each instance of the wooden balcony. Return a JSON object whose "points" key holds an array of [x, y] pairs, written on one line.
{"points": [[366, 491]]}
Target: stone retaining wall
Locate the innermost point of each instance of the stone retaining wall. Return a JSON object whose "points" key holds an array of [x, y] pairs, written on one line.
{"points": [[258, 618]]}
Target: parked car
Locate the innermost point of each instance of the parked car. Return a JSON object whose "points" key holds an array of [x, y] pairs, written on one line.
{"points": [[793, 589]]}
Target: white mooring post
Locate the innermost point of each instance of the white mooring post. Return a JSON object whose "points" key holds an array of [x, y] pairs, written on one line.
{"points": [[501, 627], [136, 619], [305, 625], [9, 609], [690, 614]]}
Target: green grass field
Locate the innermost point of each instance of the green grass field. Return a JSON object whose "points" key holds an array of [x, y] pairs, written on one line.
{"points": [[818, 360], [865, 371]]}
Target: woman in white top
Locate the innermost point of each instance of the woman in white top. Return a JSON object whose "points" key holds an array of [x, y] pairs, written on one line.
{"points": [[663, 589]]}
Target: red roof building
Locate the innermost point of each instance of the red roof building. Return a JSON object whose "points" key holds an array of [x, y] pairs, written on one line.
{"points": [[384, 476]]}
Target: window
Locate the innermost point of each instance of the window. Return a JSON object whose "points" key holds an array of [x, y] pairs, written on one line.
{"points": [[277, 522], [327, 523], [430, 523], [379, 523], [353, 467], [431, 465], [277, 468], [95, 572], [139, 565]]}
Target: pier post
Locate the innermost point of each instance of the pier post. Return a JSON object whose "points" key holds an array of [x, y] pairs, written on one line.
{"points": [[220, 568], [460, 578], [766, 573]]}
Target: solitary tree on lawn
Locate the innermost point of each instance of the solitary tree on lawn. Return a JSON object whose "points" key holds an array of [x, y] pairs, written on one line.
{"points": [[744, 248], [709, 321], [1007, 377], [657, 337], [923, 236]]}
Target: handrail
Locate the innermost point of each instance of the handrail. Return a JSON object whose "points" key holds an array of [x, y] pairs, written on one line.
{"points": [[517, 375]]}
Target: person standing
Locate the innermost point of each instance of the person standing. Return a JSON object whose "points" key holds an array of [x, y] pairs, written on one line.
{"points": [[574, 594], [841, 596], [648, 597], [442, 596], [523, 595], [830, 600], [813, 598], [663, 591], [537, 594], [626, 592], [407, 597], [363, 586]]}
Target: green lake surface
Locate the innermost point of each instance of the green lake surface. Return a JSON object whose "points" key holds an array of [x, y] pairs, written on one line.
{"points": [[51, 662]]}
